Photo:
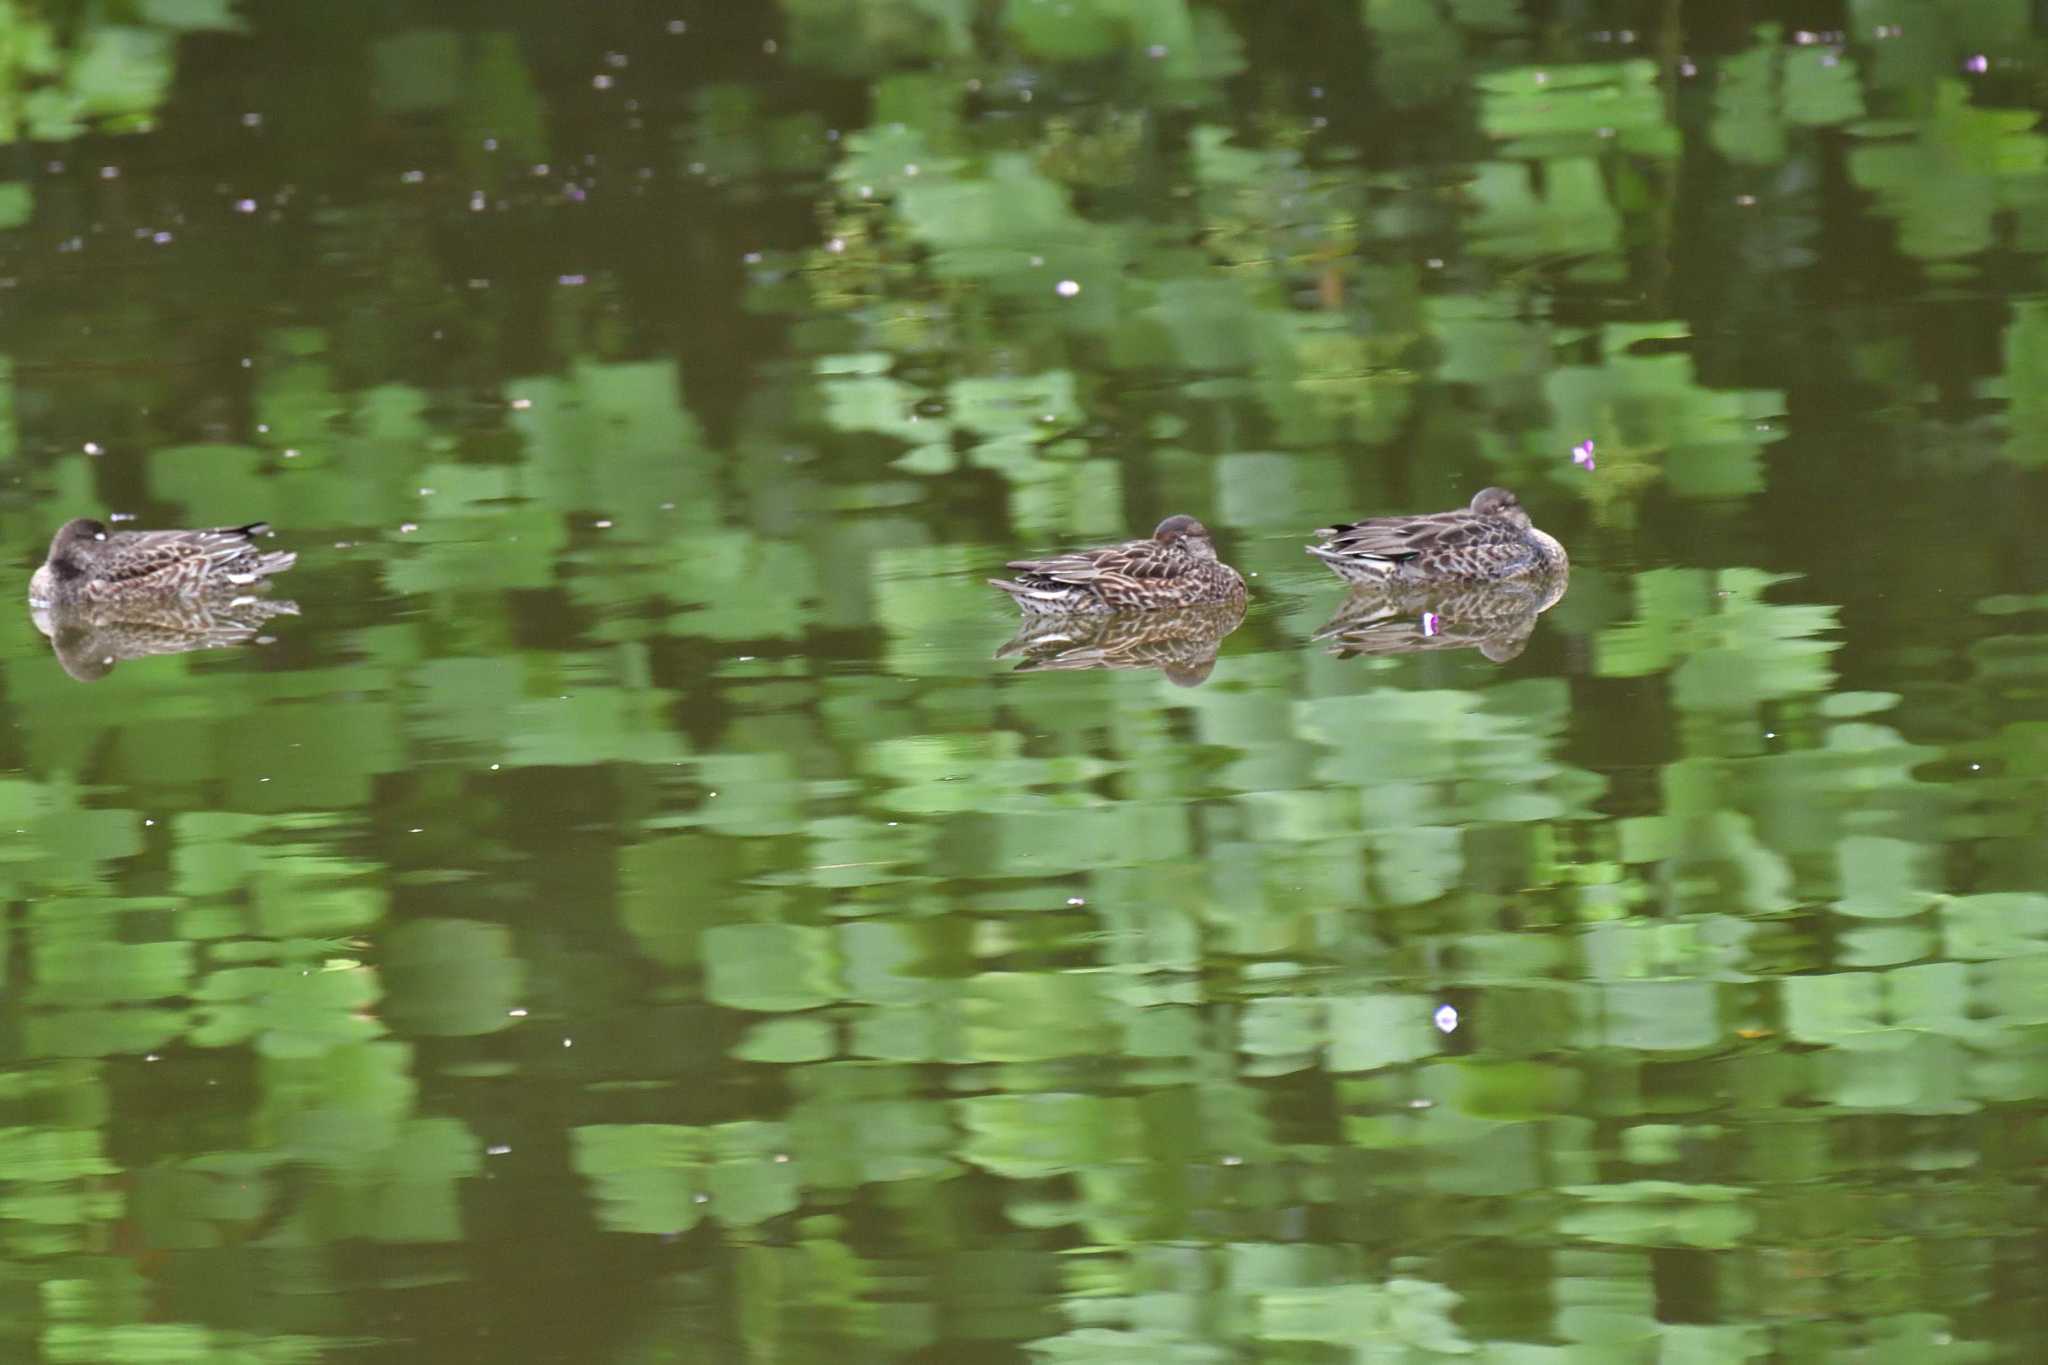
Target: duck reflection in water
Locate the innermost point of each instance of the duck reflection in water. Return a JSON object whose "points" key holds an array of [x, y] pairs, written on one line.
{"points": [[103, 596], [1393, 617], [1180, 642], [90, 640]]}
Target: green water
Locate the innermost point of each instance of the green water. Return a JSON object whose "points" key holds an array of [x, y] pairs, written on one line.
{"points": [[630, 914]]}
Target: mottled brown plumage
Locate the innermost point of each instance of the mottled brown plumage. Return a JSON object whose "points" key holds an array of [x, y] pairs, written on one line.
{"points": [[1386, 617], [1488, 540], [1180, 642], [1175, 567], [89, 564]]}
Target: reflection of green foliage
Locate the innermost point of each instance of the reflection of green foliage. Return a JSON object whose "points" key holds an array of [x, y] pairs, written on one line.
{"points": [[90, 1343], [1731, 649], [1030, 1136], [1569, 217], [884, 160], [1184, 45], [1649, 416], [857, 1124], [449, 976], [1414, 1313], [1548, 111], [1011, 227], [1289, 1294], [50, 1156], [77, 961], [286, 1011], [630, 414], [1947, 177], [1661, 1213], [402, 1191], [872, 37], [2026, 382], [1264, 208], [1770, 86], [662, 1178], [769, 966], [1995, 926], [61, 79], [1487, 751], [59, 840], [1421, 57], [1010, 414], [1095, 157]]}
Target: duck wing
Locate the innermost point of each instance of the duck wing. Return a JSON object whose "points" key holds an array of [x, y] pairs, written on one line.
{"points": [[1134, 565], [132, 556], [1401, 539]]}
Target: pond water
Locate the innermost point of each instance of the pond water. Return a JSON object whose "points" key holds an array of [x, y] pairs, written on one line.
{"points": [[631, 913]]}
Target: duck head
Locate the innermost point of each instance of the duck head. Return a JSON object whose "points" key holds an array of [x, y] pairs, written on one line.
{"points": [[1188, 533], [72, 548], [1498, 502]]}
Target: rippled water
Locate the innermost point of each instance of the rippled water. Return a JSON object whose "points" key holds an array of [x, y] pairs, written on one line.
{"points": [[652, 903]]}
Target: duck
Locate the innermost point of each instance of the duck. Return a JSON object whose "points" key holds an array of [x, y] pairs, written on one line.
{"points": [[1181, 642], [91, 565], [1488, 540], [1176, 567]]}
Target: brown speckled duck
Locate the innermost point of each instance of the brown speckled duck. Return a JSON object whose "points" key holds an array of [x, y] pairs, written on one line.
{"points": [[1489, 540], [90, 565], [1177, 567]]}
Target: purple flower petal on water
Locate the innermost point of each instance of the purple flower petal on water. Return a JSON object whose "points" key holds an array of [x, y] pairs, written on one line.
{"points": [[1445, 1019], [1431, 624], [1977, 65], [1582, 454]]}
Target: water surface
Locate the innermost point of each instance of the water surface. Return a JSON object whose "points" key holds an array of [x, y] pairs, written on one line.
{"points": [[630, 914]]}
